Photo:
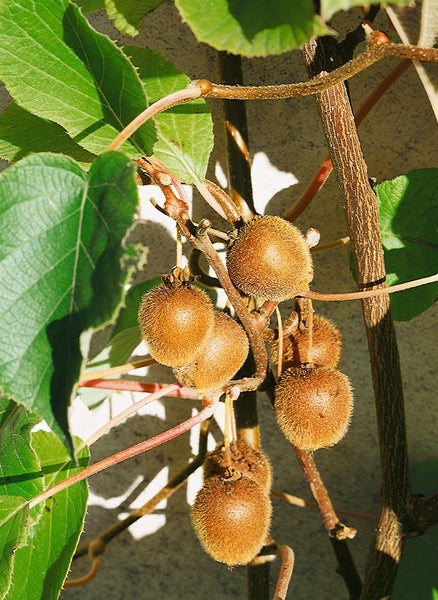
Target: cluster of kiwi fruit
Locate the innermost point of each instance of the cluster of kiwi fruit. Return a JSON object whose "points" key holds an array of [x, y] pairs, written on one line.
{"points": [[232, 511], [268, 259], [205, 347]]}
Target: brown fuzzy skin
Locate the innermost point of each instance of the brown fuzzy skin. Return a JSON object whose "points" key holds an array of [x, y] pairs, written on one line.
{"points": [[313, 406], [250, 462], [231, 519], [175, 321], [221, 357], [270, 259], [326, 345]]}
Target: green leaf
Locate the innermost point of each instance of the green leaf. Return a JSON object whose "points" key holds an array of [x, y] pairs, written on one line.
{"points": [[417, 575], [185, 133], [125, 336], [89, 6], [42, 563], [63, 272], [13, 521], [35, 134], [56, 66], [19, 470], [128, 14], [252, 27], [330, 7], [408, 219]]}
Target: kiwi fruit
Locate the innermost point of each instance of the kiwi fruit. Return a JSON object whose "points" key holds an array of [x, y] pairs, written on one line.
{"points": [[176, 319], [243, 458], [221, 357], [270, 259], [231, 517], [313, 406], [326, 345]]}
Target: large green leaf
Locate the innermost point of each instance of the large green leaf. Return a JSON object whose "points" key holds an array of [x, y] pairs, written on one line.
{"points": [[252, 27], [42, 561], [185, 133], [417, 575], [330, 7], [62, 271], [22, 133], [13, 522], [19, 481], [128, 14], [408, 219], [56, 66]]}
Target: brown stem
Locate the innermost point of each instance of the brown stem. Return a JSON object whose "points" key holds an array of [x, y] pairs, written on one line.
{"points": [[332, 523], [287, 557], [338, 532], [237, 152], [104, 537], [362, 215], [367, 294], [372, 54], [127, 453], [326, 168], [255, 337], [131, 385]]}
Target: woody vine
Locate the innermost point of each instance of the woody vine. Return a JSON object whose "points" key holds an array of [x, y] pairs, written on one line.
{"points": [[286, 359]]}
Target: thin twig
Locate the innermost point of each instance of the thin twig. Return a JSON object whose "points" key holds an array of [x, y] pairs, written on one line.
{"points": [[332, 523], [104, 537], [302, 503], [127, 453], [132, 385], [287, 557], [326, 168], [400, 287], [206, 89], [119, 370]]}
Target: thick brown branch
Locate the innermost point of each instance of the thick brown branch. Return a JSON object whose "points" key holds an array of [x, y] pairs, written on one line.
{"points": [[372, 54], [362, 215]]}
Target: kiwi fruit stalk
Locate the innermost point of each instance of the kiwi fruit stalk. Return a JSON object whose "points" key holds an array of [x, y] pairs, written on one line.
{"points": [[243, 458]]}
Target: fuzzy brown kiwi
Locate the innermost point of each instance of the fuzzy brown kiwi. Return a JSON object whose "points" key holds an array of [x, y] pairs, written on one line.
{"points": [[244, 458], [270, 259], [326, 345], [313, 406], [221, 357], [176, 319], [231, 518]]}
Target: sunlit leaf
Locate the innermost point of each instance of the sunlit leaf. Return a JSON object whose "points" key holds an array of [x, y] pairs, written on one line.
{"points": [[22, 133], [252, 27], [408, 219], [42, 562], [128, 14], [57, 67], [184, 133], [62, 271], [330, 7]]}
